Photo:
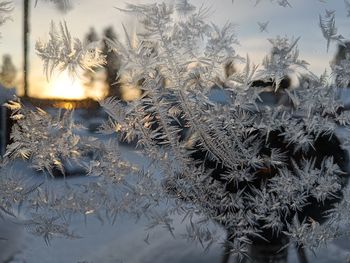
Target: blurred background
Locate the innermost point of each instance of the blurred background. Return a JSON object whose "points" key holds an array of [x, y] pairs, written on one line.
{"points": [[90, 21]]}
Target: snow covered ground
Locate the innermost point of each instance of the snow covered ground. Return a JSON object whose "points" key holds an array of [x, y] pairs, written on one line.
{"points": [[6, 94], [128, 241], [125, 241]]}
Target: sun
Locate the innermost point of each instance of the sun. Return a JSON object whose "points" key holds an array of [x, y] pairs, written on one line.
{"points": [[64, 86]]}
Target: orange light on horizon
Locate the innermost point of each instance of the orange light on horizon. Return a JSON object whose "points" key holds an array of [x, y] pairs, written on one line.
{"points": [[64, 105], [64, 86]]}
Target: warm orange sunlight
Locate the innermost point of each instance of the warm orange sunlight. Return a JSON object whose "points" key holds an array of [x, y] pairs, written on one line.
{"points": [[64, 86]]}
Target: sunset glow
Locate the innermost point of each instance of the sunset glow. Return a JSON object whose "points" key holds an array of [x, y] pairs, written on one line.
{"points": [[64, 86]]}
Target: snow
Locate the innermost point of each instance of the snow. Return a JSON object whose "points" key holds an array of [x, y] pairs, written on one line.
{"points": [[11, 236], [126, 241], [123, 242], [111, 243], [6, 94], [344, 94]]}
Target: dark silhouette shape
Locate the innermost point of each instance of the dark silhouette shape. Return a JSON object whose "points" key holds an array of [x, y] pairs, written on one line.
{"points": [[343, 53], [324, 146], [112, 65], [272, 96], [90, 76], [6, 124], [26, 31], [91, 36], [8, 72]]}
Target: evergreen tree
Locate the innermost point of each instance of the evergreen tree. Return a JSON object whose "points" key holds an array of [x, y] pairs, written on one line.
{"points": [[112, 65], [8, 72]]}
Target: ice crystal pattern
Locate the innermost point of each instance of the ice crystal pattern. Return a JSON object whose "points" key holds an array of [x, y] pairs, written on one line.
{"points": [[329, 30], [5, 9], [66, 53], [248, 167]]}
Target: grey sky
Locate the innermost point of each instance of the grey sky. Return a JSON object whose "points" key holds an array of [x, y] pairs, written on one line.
{"points": [[300, 20]]}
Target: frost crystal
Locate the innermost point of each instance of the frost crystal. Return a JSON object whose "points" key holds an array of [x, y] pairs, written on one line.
{"points": [[63, 52], [282, 61], [5, 8], [329, 30], [258, 169]]}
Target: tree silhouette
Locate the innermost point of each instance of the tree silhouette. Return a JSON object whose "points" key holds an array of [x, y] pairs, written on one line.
{"points": [[112, 65], [8, 71]]}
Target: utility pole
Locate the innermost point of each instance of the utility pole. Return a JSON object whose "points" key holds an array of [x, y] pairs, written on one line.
{"points": [[26, 31]]}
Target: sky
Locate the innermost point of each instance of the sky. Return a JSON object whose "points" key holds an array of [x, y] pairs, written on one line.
{"points": [[300, 20]]}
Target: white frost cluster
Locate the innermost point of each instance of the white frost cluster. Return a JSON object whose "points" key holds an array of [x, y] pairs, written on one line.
{"points": [[64, 53], [5, 8], [250, 167]]}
